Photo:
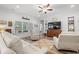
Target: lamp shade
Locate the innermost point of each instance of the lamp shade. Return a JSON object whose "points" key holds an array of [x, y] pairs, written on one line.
{"points": [[2, 27]]}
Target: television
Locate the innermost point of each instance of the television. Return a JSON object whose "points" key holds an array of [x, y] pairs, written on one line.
{"points": [[54, 25]]}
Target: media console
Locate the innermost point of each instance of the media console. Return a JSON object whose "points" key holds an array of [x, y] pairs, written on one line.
{"points": [[53, 32], [54, 29]]}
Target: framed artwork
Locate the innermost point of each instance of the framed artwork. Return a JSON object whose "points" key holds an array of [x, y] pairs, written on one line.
{"points": [[10, 23], [25, 27], [71, 24], [18, 27], [3, 22]]}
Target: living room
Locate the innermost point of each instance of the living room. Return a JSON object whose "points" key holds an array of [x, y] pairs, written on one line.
{"points": [[48, 28]]}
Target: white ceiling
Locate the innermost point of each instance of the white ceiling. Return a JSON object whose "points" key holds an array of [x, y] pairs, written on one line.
{"points": [[31, 9]]}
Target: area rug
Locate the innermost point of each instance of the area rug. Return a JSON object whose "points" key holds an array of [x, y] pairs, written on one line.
{"points": [[45, 43]]}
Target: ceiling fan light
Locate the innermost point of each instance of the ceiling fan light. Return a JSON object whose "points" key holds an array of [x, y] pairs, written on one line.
{"points": [[45, 10]]}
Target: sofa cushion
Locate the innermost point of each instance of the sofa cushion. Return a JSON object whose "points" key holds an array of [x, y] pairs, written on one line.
{"points": [[7, 51], [31, 49], [17, 46], [9, 38], [3, 47], [13, 42], [20, 46]]}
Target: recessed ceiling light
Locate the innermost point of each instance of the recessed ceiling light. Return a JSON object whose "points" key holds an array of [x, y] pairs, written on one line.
{"points": [[72, 6], [17, 6]]}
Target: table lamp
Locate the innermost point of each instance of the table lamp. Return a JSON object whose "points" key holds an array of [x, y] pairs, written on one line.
{"points": [[2, 27]]}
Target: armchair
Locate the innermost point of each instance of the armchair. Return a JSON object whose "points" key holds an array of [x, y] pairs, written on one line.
{"points": [[67, 41]]}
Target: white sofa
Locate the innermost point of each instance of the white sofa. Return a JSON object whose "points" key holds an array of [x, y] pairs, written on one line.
{"points": [[3, 48], [67, 41], [17, 45]]}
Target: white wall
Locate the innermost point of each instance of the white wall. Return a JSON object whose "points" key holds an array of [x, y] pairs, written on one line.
{"points": [[63, 17]]}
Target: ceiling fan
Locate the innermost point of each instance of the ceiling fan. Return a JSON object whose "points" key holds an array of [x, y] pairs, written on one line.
{"points": [[45, 8], [25, 18]]}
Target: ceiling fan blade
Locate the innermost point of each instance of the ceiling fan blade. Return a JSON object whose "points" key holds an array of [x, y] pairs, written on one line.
{"points": [[40, 7], [49, 9], [40, 11], [25, 18], [48, 5]]}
